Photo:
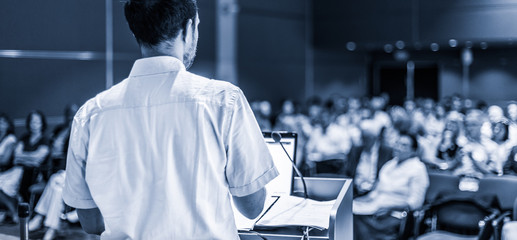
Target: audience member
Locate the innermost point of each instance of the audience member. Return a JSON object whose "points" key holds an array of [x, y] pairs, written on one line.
{"points": [[503, 144], [327, 146], [350, 120], [286, 119], [30, 152], [354, 111], [510, 166], [429, 128], [314, 110], [447, 151], [402, 185], [51, 206], [401, 122], [262, 112], [476, 152], [494, 114], [511, 113], [467, 104], [378, 115], [7, 142], [290, 119], [339, 105], [410, 107], [365, 161], [440, 112], [59, 140], [482, 105], [456, 104]]}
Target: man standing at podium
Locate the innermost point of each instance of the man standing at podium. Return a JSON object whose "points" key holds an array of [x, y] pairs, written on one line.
{"points": [[161, 154]]}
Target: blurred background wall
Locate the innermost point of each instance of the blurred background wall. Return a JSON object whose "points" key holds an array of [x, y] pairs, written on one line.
{"points": [[55, 52]]}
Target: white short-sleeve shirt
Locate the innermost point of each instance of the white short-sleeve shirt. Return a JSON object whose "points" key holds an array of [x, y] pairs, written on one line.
{"points": [[161, 153]]}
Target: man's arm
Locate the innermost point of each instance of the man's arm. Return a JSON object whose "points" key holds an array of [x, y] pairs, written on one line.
{"points": [[91, 220], [251, 205]]}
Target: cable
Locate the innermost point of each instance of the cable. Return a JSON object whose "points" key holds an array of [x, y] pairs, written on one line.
{"points": [[306, 233], [278, 137]]}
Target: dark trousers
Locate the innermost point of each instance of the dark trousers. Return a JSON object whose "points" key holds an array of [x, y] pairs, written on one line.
{"points": [[369, 227]]}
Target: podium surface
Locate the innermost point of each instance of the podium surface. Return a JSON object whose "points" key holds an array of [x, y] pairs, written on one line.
{"points": [[322, 189]]}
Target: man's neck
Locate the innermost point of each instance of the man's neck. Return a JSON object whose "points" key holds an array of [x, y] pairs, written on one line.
{"points": [[405, 158], [166, 48]]}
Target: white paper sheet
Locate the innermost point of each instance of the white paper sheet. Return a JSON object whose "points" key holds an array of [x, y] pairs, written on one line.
{"points": [[297, 211]]}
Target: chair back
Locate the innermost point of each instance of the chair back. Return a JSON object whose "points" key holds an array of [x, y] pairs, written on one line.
{"points": [[441, 182], [504, 187]]}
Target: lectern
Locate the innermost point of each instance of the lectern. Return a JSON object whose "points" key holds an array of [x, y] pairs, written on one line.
{"points": [[322, 189]]}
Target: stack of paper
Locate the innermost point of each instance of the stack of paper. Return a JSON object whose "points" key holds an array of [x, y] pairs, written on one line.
{"points": [[297, 211]]}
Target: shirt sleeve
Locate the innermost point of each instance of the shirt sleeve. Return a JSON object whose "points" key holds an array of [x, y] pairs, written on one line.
{"points": [[76, 192], [418, 187], [249, 165]]}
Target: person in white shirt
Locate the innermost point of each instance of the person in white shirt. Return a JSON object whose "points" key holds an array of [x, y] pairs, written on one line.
{"points": [[7, 142], [511, 113], [477, 151], [162, 154], [402, 184]]}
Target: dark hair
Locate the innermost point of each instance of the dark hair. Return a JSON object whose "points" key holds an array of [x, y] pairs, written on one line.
{"points": [[154, 21], [414, 141], [10, 123], [29, 118], [506, 126]]}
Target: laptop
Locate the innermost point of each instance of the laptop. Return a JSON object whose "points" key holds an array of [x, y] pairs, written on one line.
{"points": [[282, 185]]}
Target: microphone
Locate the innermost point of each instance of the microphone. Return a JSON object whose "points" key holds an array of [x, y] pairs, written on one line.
{"points": [[277, 137]]}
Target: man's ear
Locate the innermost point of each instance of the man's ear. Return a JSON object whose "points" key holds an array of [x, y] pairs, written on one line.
{"points": [[188, 31]]}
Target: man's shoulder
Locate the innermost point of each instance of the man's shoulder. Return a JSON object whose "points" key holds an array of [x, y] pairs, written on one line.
{"points": [[216, 85], [416, 165], [194, 86], [101, 101], [211, 89]]}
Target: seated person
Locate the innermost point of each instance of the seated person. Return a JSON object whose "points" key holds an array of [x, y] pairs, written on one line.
{"points": [[365, 161], [7, 142], [500, 135], [402, 184], [511, 113], [29, 153], [327, 146], [51, 206], [59, 141], [476, 151], [445, 158], [510, 166]]}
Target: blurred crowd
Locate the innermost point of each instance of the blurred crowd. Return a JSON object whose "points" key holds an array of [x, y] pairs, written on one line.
{"points": [[390, 150], [32, 170], [337, 137], [455, 135]]}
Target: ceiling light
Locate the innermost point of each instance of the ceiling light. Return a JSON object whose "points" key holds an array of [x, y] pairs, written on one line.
{"points": [[435, 47]]}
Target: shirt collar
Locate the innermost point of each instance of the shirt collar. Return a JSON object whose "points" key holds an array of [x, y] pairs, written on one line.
{"points": [[154, 65]]}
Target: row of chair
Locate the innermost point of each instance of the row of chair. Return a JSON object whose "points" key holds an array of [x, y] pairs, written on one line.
{"points": [[451, 213]]}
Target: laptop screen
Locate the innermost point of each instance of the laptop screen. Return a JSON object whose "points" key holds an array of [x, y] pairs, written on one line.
{"points": [[282, 184]]}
